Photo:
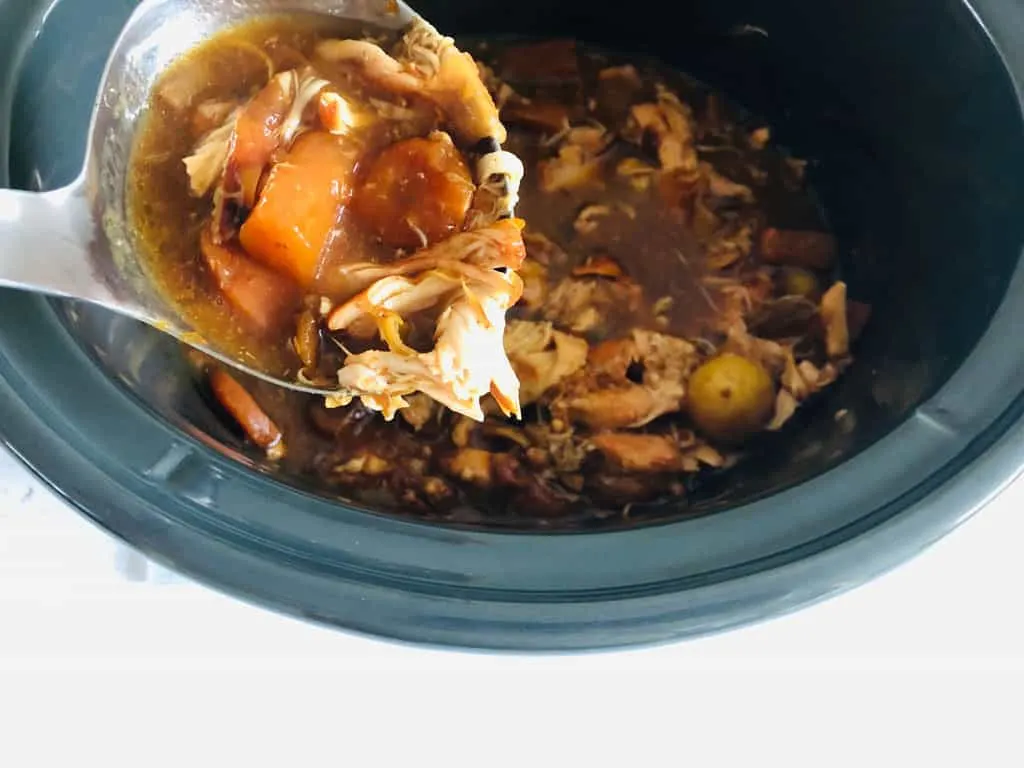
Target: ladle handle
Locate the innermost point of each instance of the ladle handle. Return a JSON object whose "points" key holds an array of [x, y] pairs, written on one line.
{"points": [[45, 241]]}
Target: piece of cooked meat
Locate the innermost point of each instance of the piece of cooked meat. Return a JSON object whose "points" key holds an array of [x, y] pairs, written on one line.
{"points": [[799, 380], [419, 412], [205, 165], [671, 123], [603, 397], [586, 304], [542, 356], [472, 465], [633, 452], [427, 64], [467, 362], [621, 406], [729, 246], [571, 168], [720, 186], [497, 246], [833, 317]]}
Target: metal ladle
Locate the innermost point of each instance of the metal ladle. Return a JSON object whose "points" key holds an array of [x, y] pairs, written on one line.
{"points": [[75, 242]]}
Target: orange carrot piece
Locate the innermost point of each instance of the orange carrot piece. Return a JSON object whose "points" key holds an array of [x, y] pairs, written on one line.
{"points": [[256, 129], [300, 205], [262, 297], [416, 193], [253, 420]]}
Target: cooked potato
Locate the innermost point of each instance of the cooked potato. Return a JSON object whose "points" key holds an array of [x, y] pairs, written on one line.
{"points": [[417, 192], [730, 397], [800, 282], [299, 206]]}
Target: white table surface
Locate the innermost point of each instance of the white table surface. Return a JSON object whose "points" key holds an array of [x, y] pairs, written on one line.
{"points": [[118, 657], [70, 595]]}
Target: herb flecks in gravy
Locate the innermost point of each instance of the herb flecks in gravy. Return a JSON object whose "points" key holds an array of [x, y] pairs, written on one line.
{"points": [[676, 299]]}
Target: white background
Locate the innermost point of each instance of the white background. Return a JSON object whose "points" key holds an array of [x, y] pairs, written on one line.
{"points": [[99, 651]]}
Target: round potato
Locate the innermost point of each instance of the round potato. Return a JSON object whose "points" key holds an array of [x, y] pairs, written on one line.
{"points": [[800, 282], [416, 193], [730, 397]]}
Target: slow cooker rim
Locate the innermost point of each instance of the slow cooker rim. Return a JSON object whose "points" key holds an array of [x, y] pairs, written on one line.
{"points": [[448, 622]]}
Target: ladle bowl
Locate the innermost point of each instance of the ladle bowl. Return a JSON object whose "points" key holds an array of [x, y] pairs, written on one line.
{"points": [[75, 242]]}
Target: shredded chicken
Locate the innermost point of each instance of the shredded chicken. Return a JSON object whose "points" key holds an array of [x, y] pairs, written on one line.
{"points": [[770, 354], [499, 246], [589, 219], [736, 299], [579, 161], [391, 296], [542, 356], [206, 164], [427, 64], [720, 186], [582, 304], [639, 173], [671, 123], [305, 87], [592, 139], [786, 406], [799, 381], [572, 168], [729, 246], [467, 362], [565, 448], [702, 455], [833, 317], [633, 452], [603, 397]]}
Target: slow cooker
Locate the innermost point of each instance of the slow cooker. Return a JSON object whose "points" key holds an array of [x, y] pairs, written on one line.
{"points": [[911, 111]]}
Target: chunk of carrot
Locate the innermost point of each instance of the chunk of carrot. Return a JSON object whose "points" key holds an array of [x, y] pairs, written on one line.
{"points": [[416, 192], [300, 205], [256, 129], [263, 298], [253, 420]]}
